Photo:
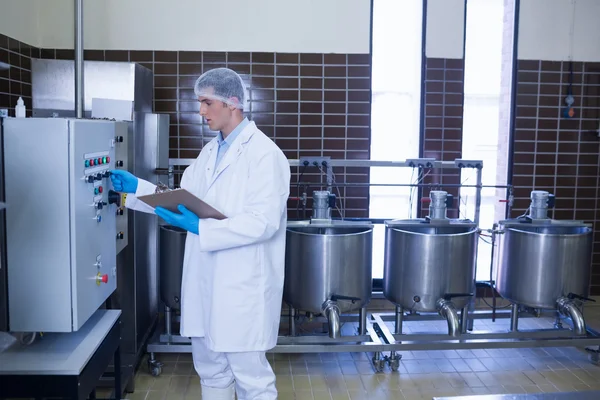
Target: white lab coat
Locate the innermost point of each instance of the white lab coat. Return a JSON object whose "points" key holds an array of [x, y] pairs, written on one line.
{"points": [[233, 270]]}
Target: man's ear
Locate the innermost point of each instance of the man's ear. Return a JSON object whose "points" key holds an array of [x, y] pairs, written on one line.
{"points": [[235, 100]]}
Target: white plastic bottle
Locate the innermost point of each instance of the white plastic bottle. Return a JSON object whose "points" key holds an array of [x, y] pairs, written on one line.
{"points": [[20, 108]]}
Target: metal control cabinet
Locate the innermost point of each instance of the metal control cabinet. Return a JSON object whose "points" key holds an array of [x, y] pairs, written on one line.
{"points": [[60, 225]]}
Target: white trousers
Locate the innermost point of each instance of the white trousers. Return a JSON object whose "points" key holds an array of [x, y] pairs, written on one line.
{"points": [[250, 372]]}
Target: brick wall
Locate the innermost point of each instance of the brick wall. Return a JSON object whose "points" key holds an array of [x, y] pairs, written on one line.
{"points": [[444, 93], [554, 153], [15, 82], [309, 104]]}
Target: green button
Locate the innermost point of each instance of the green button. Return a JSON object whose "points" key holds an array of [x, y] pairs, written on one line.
{"points": [[103, 160], [95, 190], [87, 163]]}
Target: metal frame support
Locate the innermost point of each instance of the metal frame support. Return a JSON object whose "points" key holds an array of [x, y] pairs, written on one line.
{"points": [[362, 321], [377, 338], [292, 331], [427, 163], [398, 320], [514, 318]]}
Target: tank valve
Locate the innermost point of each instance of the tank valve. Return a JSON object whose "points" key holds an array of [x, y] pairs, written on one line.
{"points": [[331, 310], [568, 308], [448, 311]]}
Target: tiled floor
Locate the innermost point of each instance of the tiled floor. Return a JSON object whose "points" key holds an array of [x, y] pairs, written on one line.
{"points": [[422, 374]]}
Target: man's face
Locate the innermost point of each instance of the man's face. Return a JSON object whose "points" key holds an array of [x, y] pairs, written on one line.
{"points": [[216, 113]]}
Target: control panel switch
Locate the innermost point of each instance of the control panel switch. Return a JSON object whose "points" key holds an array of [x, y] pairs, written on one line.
{"points": [[114, 198]]}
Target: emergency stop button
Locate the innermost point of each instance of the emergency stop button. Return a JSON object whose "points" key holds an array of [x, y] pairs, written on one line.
{"points": [[101, 278]]}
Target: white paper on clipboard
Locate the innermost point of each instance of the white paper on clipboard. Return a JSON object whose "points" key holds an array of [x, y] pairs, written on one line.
{"points": [[171, 199]]}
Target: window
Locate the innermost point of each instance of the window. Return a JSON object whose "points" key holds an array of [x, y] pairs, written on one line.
{"points": [[395, 111], [488, 49]]}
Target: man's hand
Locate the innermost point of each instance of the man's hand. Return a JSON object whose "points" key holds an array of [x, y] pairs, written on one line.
{"points": [[186, 220], [123, 181]]}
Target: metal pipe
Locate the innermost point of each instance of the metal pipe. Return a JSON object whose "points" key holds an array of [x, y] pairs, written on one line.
{"points": [[365, 163], [448, 311], [399, 312], [292, 321], [168, 320], [362, 323], [514, 318], [79, 94], [424, 185], [332, 312], [171, 183], [164, 171], [509, 202], [569, 309], [479, 186]]}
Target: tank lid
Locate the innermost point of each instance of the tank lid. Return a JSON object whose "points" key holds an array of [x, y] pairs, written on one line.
{"points": [[525, 221], [330, 224], [431, 222]]}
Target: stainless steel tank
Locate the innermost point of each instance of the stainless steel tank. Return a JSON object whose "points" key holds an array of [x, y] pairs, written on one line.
{"points": [[542, 261], [328, 267], [429, 261], [172, 248]]}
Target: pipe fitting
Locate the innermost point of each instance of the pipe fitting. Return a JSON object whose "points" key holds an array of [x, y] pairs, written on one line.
{"points": [[331, 310], [568, 308], [448, 311]]}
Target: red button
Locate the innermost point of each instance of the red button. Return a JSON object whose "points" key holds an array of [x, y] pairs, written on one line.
{"points": [[107, 160], [100, 189], [92, 162], [105, 278]]}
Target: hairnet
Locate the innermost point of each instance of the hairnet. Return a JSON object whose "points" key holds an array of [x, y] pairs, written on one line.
{"points": [[225, 84]]}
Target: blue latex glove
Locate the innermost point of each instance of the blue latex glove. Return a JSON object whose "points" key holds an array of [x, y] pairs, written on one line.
{"points": [[186, 220], [124, 181]]}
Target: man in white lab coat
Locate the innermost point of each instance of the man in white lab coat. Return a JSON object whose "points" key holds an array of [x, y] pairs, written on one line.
{"points": [[233, 268]]}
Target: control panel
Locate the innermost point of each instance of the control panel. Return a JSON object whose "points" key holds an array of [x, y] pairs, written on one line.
{"points": [[60, 221]]}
